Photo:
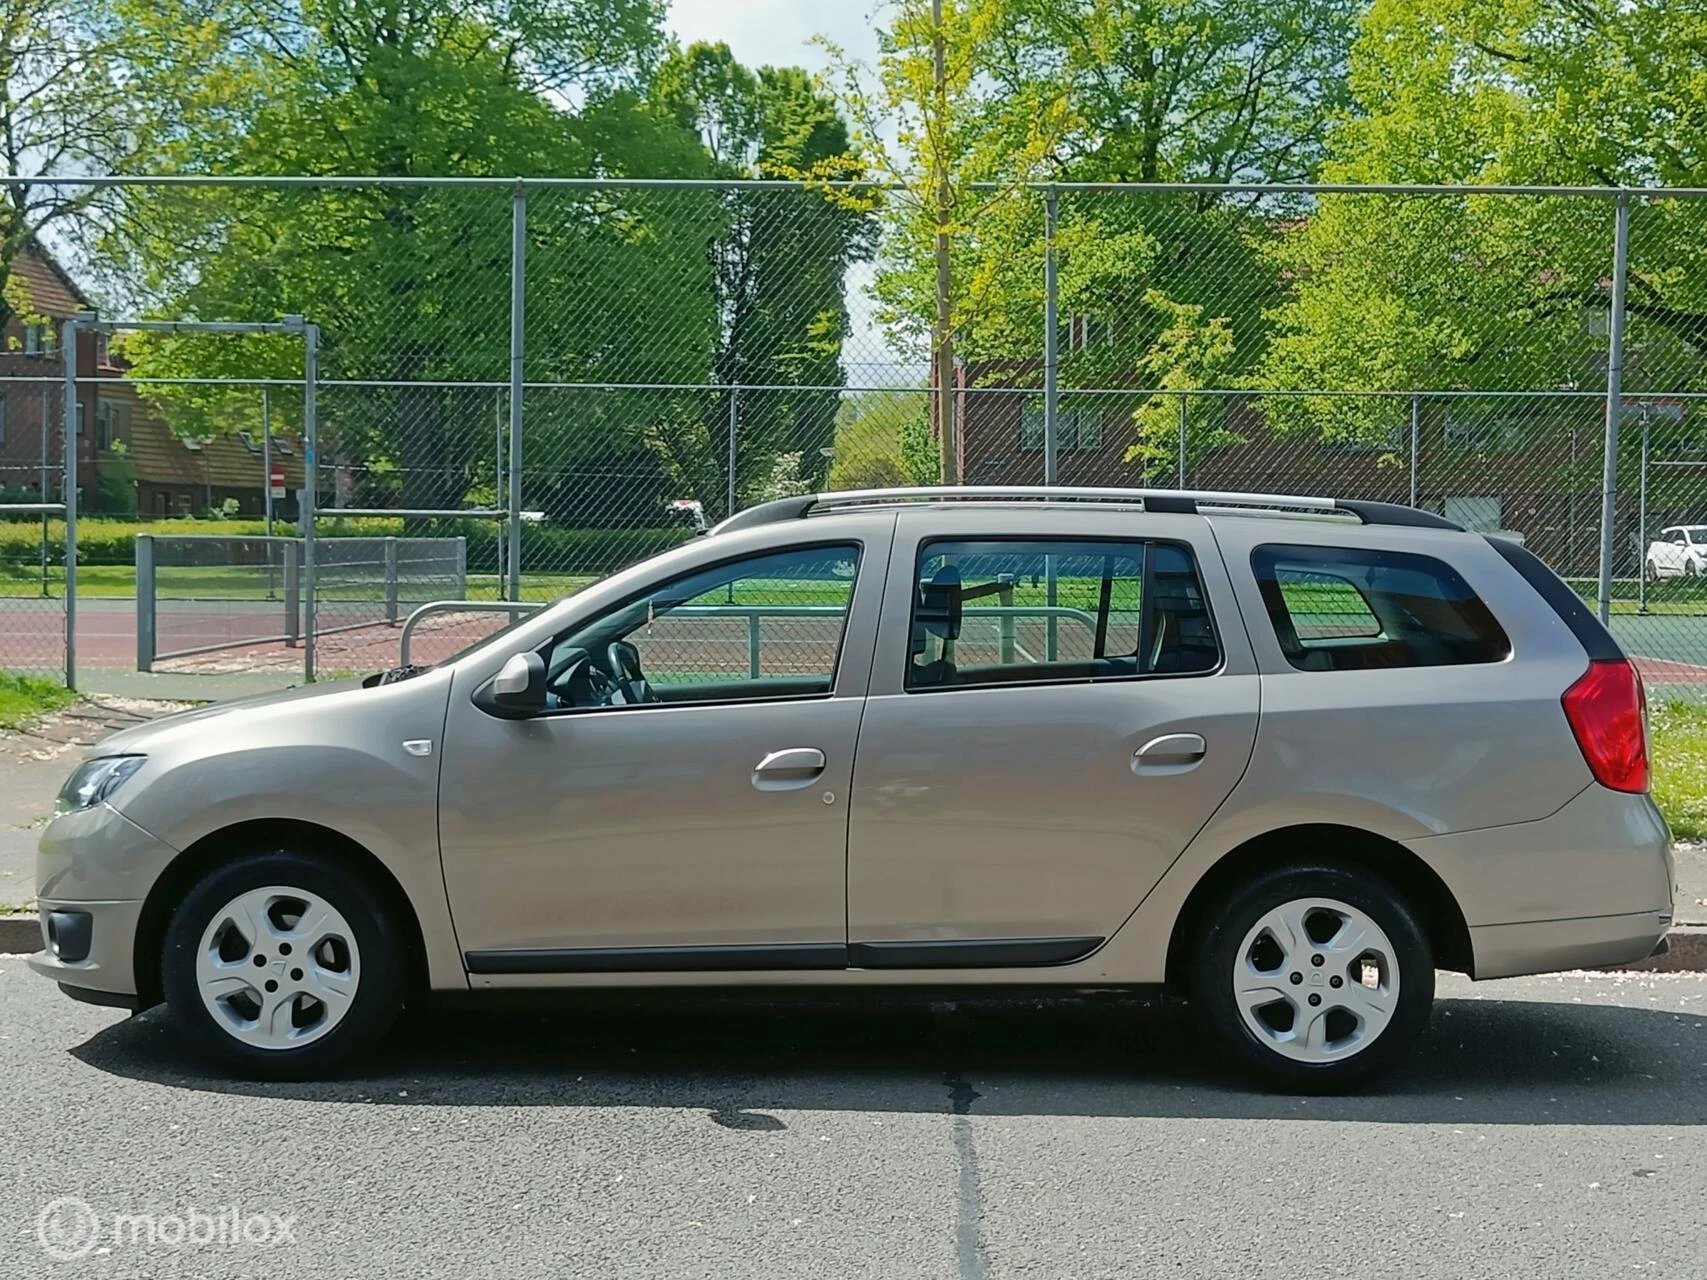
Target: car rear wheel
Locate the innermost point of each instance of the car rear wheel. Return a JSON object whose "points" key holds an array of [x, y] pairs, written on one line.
{"points": [[1689, 568], [282, 966], [1316, 977]]}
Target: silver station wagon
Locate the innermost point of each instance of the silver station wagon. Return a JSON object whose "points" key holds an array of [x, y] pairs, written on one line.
{"points": [[1282, 756]]}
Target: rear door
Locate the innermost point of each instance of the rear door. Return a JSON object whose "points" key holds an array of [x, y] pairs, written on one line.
{"points": [[1052, 717]]}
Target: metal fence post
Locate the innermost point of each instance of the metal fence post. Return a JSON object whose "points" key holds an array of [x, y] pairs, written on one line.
{"points": [[1642, 522], [310, 489], [69, 431], [1416, 435], [46, 414], [498, 484], [145, 604], [292, 593], [1182, 437], [755, 646], [462, 567], [1005, 629], [518, 334], [734, 419], [267, 459], [1051, 357], [391, 581], [1614, 402]]}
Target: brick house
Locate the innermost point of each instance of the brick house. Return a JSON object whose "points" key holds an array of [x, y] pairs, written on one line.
{"points": [[131, 460]]}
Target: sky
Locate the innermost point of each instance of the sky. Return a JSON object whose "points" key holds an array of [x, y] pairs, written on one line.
{"points": [[779, 33]]}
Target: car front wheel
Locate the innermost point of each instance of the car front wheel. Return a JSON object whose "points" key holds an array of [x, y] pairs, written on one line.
{"points": [[1316, 977], [282, 966]]}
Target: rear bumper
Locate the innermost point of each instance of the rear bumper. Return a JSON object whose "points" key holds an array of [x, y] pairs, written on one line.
{"points": [[1546, 946]]}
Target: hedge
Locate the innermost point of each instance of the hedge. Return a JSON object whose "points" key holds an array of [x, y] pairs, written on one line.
{"points": [[545, 548]]}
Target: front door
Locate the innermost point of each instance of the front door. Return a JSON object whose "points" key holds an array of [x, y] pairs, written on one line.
{"points": [[680, 805], [1052, 718]]}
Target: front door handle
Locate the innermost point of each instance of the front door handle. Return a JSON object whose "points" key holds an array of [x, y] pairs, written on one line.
{"points": [[789, 768], [1170, 753]]}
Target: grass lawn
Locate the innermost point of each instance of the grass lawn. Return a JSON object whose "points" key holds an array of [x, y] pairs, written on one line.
{"points": [[26, 698], [1679, 750]]}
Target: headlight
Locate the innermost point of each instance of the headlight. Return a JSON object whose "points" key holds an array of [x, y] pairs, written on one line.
{"points": [[94, 781]]}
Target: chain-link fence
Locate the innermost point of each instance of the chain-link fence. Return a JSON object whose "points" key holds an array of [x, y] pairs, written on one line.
{"points": [[32, 526], [569, 375]]}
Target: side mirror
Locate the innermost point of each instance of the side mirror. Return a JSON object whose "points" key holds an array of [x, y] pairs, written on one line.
{"points": [[517, 691]]}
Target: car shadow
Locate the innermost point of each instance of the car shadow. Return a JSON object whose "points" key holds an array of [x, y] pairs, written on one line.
{"points": [[1483, 1061]]}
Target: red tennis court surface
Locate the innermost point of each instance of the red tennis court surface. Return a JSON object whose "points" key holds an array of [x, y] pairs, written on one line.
{"points": [[106, 637]]}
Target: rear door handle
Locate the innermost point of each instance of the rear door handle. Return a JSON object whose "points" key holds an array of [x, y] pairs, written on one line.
{"points": [[1170, 753], [787, 769]]}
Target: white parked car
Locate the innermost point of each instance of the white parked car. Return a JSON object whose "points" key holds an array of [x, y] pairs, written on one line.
{"points": [[1679, 552]]}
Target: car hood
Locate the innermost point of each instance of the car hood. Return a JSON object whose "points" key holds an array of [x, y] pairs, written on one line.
{"points": [[136, 739]]}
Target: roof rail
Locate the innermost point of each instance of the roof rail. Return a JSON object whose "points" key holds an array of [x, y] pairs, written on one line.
{"points": [[1171, 501]]}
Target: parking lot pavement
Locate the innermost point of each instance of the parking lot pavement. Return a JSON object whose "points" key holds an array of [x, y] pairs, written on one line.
{"points": [[1550, 1127]]}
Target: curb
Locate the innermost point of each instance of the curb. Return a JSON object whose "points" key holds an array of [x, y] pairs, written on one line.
{"points": [[20, 934], [1687, 954]]}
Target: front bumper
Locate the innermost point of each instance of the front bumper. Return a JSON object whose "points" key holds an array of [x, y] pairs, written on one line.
{"points": [[98, 863], [110, 966]]}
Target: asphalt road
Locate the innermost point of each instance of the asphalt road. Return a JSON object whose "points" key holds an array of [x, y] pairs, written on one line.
{"points": [[1550, 1127]]}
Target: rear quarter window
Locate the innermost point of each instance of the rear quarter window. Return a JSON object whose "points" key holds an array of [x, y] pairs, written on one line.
{"points": [[1354, 609]]}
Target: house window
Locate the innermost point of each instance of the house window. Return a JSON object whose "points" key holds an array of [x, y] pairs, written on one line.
{"points": [[38, 340], [1078, 423], [1086, 331], [1473, 429], [110, 421], [1478, 513]]}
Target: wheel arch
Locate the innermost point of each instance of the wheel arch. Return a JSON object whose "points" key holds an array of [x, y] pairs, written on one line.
{"points": [[1441, 917], [230, 843]]}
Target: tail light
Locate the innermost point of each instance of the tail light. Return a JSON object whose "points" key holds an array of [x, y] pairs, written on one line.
{"points": [[1608, 712]]}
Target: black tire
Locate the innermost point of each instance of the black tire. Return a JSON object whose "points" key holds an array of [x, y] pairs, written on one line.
{"points": [[1689, 568], [1653, 571], [379, 989], [1217, 952]]}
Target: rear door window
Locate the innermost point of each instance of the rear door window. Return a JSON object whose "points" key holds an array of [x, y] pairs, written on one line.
{"points": [[1000, 611], [1351, 609]]}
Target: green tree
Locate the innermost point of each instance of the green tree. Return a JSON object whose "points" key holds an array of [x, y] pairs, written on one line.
{"points": [[1488, 292], [411, 284], [1091, 91], [777, 268], [66, 107], [878, 434]]}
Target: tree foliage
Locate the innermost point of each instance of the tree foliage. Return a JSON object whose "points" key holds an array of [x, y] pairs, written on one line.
{"points": [[1490, 292], [626, 285]]}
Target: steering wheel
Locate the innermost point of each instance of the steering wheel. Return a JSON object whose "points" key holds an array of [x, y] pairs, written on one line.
{"points": [[624, 662], [575, 667]]}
